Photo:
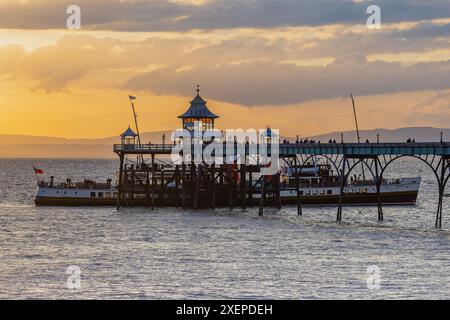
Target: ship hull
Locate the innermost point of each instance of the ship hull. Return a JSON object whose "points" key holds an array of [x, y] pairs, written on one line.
{"points": [[394, 198], [400, 192], [73, 202]]}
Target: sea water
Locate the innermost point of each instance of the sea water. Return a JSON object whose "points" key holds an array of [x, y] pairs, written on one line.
{"points": [[136, 253]]}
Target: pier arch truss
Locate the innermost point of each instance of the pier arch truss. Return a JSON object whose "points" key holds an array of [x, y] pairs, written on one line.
{"points": [[374, 159]]}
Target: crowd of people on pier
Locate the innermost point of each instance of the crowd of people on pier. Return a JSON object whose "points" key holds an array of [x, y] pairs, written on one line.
{"points": [[301, 141], [332, 141], [311, 141]]}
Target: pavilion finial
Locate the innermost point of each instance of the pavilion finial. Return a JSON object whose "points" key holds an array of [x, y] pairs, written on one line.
{"points": [[198, 90]]}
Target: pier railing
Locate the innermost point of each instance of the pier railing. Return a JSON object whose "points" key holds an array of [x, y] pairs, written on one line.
{"points": [[143, 148], [286, 149]]}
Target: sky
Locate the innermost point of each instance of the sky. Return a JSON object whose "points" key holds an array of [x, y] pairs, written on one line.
{"points": [[290, 64]]}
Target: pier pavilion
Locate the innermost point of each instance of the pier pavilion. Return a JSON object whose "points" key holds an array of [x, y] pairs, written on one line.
{"points": [[198, 116]]}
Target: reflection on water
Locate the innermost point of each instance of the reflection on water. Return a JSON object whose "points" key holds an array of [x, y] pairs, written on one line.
{"points": [[170, 253]]}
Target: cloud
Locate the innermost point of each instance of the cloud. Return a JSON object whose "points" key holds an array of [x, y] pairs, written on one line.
{"points": [[183, 15], [246, 67], [266, 83]]}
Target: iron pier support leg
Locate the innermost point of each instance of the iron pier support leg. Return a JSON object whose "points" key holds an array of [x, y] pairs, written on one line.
{"points": [[263, 195], [297, 186], [183, 185], [250, 189], [147, 188], [378, 186], [230, 194], [278, 191], [341, 193], [438, 223], [243, 186], [177, 184], [196, 191], [133, 182], [119, 189], [193, 179], [162, 189], [213, 181], [153, 182]]}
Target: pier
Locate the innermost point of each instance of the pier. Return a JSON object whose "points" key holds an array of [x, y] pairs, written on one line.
{"points": [[196, 185]]}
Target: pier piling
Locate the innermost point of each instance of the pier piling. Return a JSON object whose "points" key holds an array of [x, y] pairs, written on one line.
{"points": [[261, 201], [213, 186], [119, 187], [341, 193], [183, 186], [378, 180]]}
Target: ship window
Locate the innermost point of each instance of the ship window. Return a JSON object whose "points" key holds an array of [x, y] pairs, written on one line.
{"points": [[322, 191], [92, 194], [76, 192], [100, 194], [300, 192], [308, 192], [330, 192]]}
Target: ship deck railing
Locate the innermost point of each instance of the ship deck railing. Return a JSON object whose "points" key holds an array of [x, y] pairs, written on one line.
{"points": [[81, 185]]}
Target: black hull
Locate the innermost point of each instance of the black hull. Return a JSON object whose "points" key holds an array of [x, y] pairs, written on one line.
{"points": [[74, 202], [396, 198]]}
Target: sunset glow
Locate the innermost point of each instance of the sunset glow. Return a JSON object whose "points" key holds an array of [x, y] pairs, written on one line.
{"points": [[296, 75]]}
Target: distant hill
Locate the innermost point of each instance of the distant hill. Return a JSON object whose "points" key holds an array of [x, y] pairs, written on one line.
{"points": [[16, 146], [33, 140], [53, 147]]}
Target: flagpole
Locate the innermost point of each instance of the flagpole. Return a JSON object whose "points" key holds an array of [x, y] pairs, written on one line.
{"points": [[132, 98], [37, 177]]}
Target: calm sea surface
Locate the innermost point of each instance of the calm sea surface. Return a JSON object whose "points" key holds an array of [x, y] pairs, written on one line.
{"points": [[170, 253]]}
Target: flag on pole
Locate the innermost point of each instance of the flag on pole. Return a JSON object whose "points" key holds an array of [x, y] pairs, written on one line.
{"points": [[38, 171], [132, 97]]}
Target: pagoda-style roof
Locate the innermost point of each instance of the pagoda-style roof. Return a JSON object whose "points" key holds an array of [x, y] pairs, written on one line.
{"points": [[129, 133], [198, 109]]}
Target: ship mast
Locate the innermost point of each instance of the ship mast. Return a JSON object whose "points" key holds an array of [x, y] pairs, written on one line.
{"points": [[357, 131], [356, 119], [140, 157]]}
